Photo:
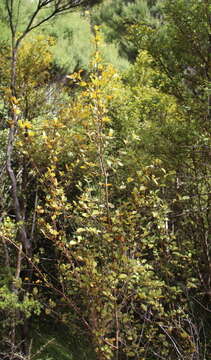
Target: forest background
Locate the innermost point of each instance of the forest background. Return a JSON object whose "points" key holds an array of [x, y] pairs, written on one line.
{"points": [[105, 201]]}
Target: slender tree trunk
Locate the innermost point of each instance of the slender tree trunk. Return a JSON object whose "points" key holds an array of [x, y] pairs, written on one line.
{"points": [[10, 147]]}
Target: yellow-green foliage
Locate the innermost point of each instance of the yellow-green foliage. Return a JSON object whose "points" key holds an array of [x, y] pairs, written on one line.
{"points": [[115, 204]]}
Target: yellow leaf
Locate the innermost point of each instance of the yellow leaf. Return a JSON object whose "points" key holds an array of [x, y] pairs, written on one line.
{"points": [[16, 110], [83, 83], [129, 179], [14, 100], [24, 124], [106, 119]]}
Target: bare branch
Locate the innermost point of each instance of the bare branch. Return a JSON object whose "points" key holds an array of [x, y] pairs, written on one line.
{"points": [[9, 8]]}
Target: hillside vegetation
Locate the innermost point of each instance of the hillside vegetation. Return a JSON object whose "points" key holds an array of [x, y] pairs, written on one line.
{"points": [[105, 186]]}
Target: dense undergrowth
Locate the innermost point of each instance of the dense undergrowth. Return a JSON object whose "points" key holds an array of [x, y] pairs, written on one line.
{"points": [[105, 181]]}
